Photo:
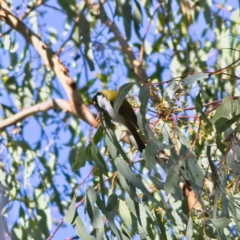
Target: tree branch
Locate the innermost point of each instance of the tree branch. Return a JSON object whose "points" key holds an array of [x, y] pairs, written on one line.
{"points": [[77, 107], [40, 107]]}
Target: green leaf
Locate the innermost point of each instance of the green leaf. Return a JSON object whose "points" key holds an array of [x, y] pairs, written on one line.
{"points": [[189, 232], [81, 231], [222, 124], [71, 212], [161, 225], [194, 174], [198, 103], [93, 211], [97, 158], [233, 162], [137, 13], [98, 135], [112, 207], [126, 172], [44, 225], [185, 207], [221, 222], [224, 110], [85, 31], [39, 198], [153, 146], [69, 6], [172, 182], [215, 177], [144, 94], [127, 17], [103, 15], [102, 189], [89, 57], [112, 204], [144, 126], [125, 213], [143, 224], [112, 139], [128, 187], [157, 182], [235, 16], [123, 91], [193, 78], [118, 9], [80, 159], [234, 208], [133, 206], [111, 146]]}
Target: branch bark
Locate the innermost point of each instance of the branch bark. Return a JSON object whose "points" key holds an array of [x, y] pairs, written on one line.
{"points": [[76, 105], [40, 107]]}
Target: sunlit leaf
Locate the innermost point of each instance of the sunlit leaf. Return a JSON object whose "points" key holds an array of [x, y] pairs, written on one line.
{"points": [[193, 78], [71, 213], [81, 230], [235, 16], [125, 213]]}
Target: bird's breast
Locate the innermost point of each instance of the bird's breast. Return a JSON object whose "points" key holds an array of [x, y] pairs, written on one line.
{"points": [[103, 103]]}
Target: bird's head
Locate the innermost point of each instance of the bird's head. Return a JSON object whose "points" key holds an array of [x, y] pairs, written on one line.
{"points": [[103, 98]]}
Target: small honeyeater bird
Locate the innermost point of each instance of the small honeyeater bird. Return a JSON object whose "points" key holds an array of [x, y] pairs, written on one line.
{"points": [[104, 100]]}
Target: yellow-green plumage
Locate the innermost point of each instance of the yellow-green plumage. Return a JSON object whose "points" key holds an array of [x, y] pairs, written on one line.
{"points": [[126, 115]]}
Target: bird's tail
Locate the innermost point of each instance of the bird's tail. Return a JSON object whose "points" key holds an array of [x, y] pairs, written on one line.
{"points": [[137, 138]]}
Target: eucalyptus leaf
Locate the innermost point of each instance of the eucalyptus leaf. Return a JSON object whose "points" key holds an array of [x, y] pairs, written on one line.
{"points": [[193, 78], [125, 213], [112, 207], [172, 182], [220, 222], [126, 172], [97, 157], [81, 230], [123, 91], [80, 159], [71, 213], [189, 232]]}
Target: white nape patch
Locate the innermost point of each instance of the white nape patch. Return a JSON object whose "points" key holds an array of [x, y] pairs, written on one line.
{"points": [[105, 104]]}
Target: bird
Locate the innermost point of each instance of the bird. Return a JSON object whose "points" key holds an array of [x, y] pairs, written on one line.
{"points": [[104, 99]]}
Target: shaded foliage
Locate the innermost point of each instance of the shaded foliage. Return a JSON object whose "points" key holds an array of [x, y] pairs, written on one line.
{"points": [[55, 171]]}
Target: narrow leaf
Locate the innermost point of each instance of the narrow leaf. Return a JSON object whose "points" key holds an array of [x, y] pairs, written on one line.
{"points": [[71, 212], [189, 232], [112, 207], [126, 172], [80, 159], [125, 213], [193, 78], [172, 182], [123, 91], [221, 222], [198, 103], [150, 152], [81, 231], [97, 157]]}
